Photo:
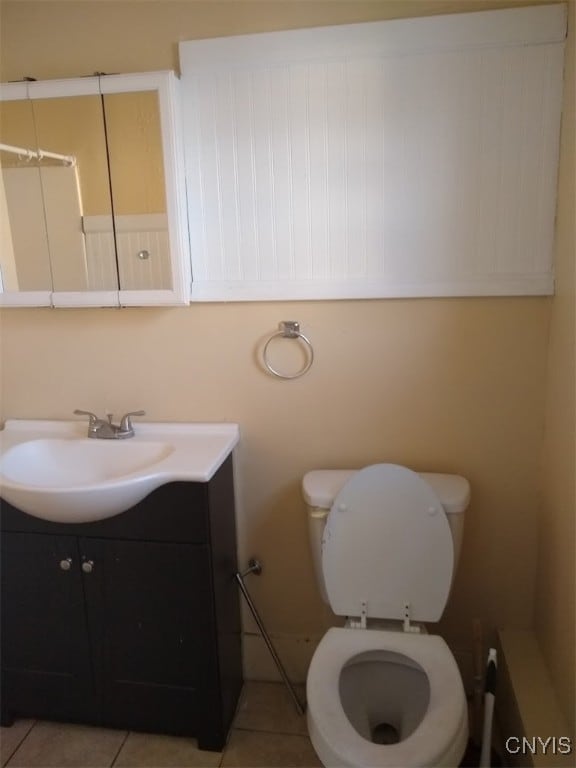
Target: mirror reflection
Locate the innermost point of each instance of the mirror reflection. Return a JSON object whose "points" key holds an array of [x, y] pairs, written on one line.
{"points": [[24, 254], [76, 193], [138, 189], [83, 207]]}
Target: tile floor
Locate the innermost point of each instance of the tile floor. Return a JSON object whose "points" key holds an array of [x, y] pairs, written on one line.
{"points": [[266, 732]]}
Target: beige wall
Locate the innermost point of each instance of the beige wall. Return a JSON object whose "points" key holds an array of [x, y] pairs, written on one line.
{"points": [[454, 385], [555, 607]]}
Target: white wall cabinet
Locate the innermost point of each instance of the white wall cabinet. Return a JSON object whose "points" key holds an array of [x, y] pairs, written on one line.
{"points": [[414, 157]]}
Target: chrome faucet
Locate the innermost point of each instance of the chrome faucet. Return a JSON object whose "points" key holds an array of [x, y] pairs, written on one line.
{"points": [[105, 430]]}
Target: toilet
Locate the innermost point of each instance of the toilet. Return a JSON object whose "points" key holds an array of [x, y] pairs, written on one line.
{"points": [[381, 691]]}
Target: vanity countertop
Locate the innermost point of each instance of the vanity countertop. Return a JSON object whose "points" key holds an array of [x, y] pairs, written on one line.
{"points": [[53, 470]]}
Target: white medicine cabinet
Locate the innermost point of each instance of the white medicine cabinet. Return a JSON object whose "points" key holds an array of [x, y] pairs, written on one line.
{"points": [[92, 193]]}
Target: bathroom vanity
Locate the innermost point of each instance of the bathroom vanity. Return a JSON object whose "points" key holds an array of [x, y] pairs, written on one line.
{"points": [[131, 621]]}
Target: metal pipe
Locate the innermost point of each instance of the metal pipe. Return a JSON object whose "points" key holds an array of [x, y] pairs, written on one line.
{"points": [[256, 567]]}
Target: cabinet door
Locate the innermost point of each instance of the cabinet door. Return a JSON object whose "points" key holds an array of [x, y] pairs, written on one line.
{"points": [[45, 651], [150, 615]]}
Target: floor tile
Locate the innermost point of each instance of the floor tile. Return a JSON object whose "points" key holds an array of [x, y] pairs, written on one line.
{"points": [[148, 750], [269, 707], [60, 745], [256, 749], [11, 737]]}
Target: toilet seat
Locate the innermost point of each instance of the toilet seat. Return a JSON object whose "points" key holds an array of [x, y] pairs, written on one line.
{"points": [[438, 740], [387, 548]]}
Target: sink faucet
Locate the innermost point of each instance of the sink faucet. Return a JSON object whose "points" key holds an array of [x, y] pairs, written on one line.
{"points": [[105, 430]]}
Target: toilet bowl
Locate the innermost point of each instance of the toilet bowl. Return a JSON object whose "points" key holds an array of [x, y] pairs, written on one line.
{"points": [[385, 547], [387, 699]]}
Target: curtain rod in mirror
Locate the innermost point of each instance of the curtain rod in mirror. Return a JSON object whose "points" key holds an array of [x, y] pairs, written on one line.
{"points": [[38, 154]]}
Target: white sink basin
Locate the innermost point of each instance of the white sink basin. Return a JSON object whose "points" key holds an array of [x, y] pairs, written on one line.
{"points": [[51, 470]]}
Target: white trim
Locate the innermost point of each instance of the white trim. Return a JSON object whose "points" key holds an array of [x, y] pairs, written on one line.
{"points": [[14, 91], [160, 298], [26, 299], [397, 37], [135, 81], [540, 285], [175, 181], [85, 299], [56, 89]]}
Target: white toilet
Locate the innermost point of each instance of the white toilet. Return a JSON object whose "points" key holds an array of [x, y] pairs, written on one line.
{"points": [[381, 691]]}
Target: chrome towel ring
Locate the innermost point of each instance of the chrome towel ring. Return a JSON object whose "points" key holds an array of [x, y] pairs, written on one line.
{"points": [[289, 329]]}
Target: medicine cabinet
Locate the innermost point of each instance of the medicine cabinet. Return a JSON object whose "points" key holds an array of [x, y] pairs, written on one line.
{"points": [[92, 193]]}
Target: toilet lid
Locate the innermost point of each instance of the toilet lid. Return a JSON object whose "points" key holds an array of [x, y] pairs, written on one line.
{"points": [[387, 543]]}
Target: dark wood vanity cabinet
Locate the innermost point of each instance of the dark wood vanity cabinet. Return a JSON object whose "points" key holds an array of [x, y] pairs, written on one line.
{"points": [[130, 622]]}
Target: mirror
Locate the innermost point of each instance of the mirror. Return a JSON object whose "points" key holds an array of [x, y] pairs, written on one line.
{"points": [[109, 186], [76, 193], [138, 190], [24, 254]]}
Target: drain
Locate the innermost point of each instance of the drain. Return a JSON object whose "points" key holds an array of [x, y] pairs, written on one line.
{"points": [[384, 733]]}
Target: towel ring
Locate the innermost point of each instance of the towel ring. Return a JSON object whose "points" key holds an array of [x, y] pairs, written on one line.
{"points": [[289, 329]]}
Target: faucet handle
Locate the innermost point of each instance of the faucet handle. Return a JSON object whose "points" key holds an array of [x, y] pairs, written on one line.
{"points": [[126, 422], [93, 417]]}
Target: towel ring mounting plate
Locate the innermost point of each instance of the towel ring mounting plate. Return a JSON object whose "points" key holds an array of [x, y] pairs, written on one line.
{"points": [[288, 329]]}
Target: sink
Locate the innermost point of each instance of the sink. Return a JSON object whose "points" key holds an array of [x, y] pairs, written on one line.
{"points": [[58, 462], [51, 470]]}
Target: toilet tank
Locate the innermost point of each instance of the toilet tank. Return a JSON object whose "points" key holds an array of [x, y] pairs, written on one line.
{"points": [[320, 488]]}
